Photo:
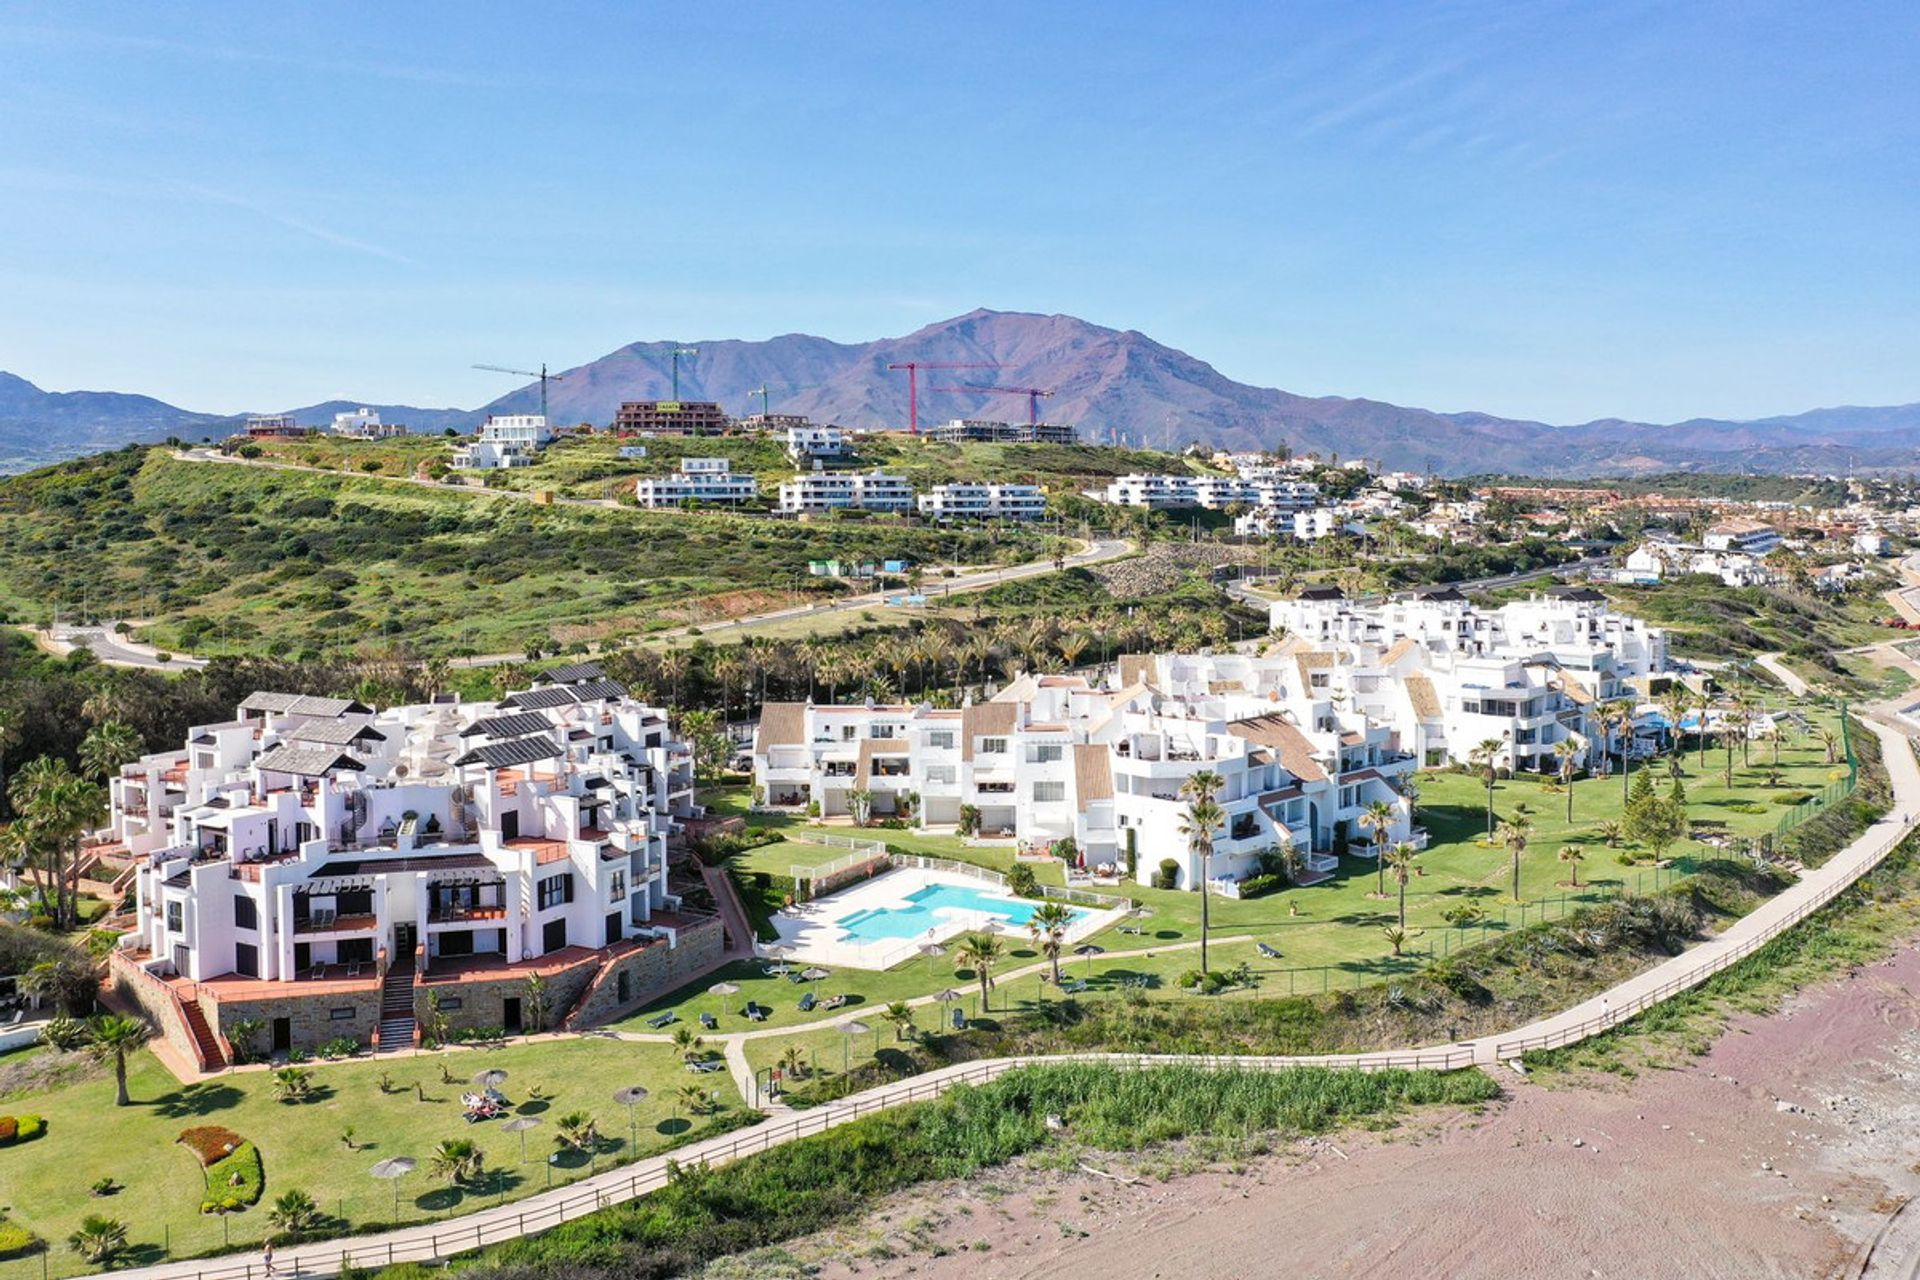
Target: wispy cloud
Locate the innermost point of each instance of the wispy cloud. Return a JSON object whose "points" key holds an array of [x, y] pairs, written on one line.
{"points": [[293, 222], [408, 72]]}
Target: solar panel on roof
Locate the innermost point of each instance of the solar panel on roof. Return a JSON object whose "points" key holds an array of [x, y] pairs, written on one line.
{"points": [[516, 751]]}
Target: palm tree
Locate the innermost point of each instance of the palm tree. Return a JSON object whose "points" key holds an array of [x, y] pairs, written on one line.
{"points": [[1514, 833], [693, 1098], [1616, 720], [115, 1037], [1201, 826], [1610, 833], [1571, 854], [292, 1084], [1487, 755], [1378, 818], [1401, 858], [1566, 755], [1674, 705], [578, 1130], [294, 1213], [687, 1041], [978, 952], [55, 809], [1831, 741], [100, 1239], [106, 747], [900, 1015], [1048, 927], [793, 1061], [457, 1160]]}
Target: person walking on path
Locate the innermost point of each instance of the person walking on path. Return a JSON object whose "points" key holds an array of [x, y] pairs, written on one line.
{"points": [[267, 1258]]}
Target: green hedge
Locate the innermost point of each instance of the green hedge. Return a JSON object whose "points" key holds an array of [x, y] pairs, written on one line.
{"points": [[223, 1196]]}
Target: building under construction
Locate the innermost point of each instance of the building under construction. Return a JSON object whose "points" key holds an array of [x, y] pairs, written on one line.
{"points": [[671, 418], [984, 431]]}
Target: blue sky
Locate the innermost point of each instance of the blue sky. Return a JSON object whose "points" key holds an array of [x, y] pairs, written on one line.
{"points": [[1560, 211]]}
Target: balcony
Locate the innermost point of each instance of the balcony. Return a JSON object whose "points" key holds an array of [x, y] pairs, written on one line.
{"points": [[328, 922], [453, 913]]}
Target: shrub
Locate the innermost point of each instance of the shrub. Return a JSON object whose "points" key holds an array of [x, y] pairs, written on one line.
{"points": [[1789, 798], [1021, 881], [16, 1240], [343, 1047], [234, 1182], [1168, 875], [1260, 885]]}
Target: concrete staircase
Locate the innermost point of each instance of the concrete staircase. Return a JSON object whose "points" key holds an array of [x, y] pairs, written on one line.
{"points": [[396, 1006], [206, 1045]]}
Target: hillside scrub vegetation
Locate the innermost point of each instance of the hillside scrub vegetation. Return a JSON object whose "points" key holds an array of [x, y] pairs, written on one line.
{"points": [[233, 558], [804, 1186]]}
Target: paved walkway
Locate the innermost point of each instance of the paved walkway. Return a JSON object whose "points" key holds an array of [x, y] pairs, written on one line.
{"points": [[432, 1241], [1774, 664]]}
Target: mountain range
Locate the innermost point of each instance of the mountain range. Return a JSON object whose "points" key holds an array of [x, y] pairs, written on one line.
{"points": [[1116, 384]]}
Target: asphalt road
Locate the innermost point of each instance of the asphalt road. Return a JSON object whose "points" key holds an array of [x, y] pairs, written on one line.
{"points": [[110, 649]]}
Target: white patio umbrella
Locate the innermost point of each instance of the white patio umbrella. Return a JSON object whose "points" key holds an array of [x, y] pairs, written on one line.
{"points": [[392, 1170], [520, 1125], [723, 990]]}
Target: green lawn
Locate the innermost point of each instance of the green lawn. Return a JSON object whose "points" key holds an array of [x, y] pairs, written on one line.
{"points": [[87, 1137]]}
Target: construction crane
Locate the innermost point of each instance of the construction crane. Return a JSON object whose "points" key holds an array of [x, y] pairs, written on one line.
{"points": [[762, 392], [676, 353], [913, 368], [1032, 394], [543, 375]]}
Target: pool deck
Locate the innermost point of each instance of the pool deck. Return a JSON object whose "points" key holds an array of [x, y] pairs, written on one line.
{"points": [[814, 933]]}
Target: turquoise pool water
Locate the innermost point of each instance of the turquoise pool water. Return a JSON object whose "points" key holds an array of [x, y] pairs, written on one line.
{"points": [[915, 919]]}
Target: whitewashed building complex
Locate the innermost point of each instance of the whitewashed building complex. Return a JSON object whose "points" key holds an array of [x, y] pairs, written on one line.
{"points": [[365, 424], [961, 501], [1159, 492], [322, 867], [822, 491], [1305, 737]]}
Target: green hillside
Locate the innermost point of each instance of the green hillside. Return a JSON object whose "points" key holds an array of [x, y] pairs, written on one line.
{"points": [[590, 466], [228, 558]]}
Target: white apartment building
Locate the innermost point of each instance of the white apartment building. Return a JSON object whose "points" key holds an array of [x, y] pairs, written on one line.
{"points": [[703, 481], [964, 501], [314, 862], [1054, 757], [806, 441], [1449, 676], [365, 424], [822, 491], [1157, 492], [505, 440], [1753, 537]]}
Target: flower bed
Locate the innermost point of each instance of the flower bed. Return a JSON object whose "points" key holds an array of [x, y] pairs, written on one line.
{"points": [[20, 1129], [211, 1142]]}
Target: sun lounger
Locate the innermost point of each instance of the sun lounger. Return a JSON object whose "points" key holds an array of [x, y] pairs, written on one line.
{"points": [[710, 1022], [1075, 987], [755, 1013], [959, 1019], [659, 1020], [834, 1002], [706, 1065], [1270, 952], [807, 1002]]}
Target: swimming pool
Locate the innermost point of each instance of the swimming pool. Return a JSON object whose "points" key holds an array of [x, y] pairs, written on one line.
{"points": [[924, 908]]}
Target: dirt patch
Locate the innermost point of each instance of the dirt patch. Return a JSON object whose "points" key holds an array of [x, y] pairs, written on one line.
{"points": [[1777, 1154]]}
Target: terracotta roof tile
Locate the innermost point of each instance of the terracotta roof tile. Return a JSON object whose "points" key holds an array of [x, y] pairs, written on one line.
{"points": [[1296, 753]]}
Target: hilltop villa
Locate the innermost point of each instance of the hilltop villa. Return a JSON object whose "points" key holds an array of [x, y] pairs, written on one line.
{"points": [[323, 868]]}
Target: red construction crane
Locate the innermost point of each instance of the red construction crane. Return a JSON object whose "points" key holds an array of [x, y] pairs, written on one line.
{"points": [[1032, 394], [913, 368]]}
